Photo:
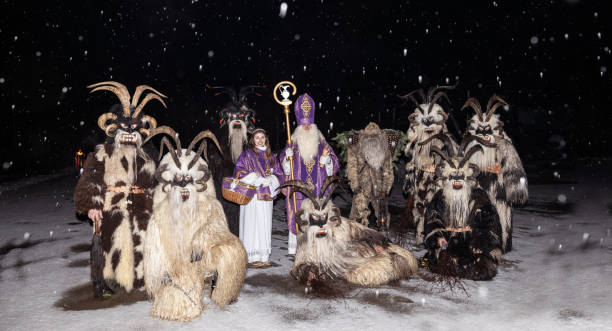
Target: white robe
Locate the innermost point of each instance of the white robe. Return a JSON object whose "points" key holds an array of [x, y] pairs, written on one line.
{"points": [[256, 220]]}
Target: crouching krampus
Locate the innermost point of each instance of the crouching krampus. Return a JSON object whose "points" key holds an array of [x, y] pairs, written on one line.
{"points": [[462, 228], [188, 247], [330, 246]]}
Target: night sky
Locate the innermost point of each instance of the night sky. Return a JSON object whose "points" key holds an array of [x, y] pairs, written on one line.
{"points": [[548, 59]]}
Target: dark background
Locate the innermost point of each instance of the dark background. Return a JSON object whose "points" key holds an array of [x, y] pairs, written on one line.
{"points": [[548, 59]]}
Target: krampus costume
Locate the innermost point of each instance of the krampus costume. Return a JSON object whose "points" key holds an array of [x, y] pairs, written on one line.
{"points": [[188, 246], [117, 181], [333, 247], [239, 119], [369, 169], [502, 174], [427, 120], [462, 229]]}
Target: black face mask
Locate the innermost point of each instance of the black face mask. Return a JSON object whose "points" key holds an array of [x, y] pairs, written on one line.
{"points": [[317, 220], [484, 131]]}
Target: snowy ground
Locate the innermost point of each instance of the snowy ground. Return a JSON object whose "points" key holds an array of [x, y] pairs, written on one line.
{"points": [[554, 279]]}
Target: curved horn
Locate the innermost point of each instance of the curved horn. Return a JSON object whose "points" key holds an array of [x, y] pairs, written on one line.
{"points": [[228, 90], [245, 91], [102, 123], [469, 153], [411, 97], [473, 102], [144, 102], [300, 187], [170, 132], [445, 139], [166, 142], [151, 122], [491, 109], [444, 155], [120, 91], [433, 90], [435, 99], [203, 146], [331, 183], [138, 92]]}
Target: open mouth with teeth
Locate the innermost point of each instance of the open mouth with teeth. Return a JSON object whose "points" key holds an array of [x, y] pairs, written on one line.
{"points": [[127, 139], [457, 185], [185, 194], [321, 234]]}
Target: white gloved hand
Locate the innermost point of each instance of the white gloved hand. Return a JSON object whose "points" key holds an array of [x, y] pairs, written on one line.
{"points": [[325, 159], [288, 152]]}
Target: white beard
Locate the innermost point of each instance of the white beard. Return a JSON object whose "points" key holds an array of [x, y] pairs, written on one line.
{"points": [[177, 222], [237, 139], [371, 148], [327, 252], [486, 159], [457, 204], [307, 141]]}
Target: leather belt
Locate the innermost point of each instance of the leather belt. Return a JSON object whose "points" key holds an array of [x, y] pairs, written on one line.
{"points": [[126, 189]]}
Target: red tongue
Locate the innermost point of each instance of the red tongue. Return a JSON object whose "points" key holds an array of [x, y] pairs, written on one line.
{"points": [[457, 185]]}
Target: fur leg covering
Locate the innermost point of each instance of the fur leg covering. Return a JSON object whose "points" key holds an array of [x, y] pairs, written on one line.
{"points": [[178, 303], [393, 264], [229, 259]]}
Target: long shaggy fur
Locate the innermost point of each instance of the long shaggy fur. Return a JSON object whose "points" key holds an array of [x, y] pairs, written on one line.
{"points": [[188, 245], [124, 215], [348, 251], [420, 180], [370, 172], [507, 188]]}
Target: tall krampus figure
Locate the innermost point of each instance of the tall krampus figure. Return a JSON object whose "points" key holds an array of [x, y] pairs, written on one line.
{"points": [[462, 229], [332, 247], [188, 245], [502, 175], [427, 120], [370, 172], [239, 119], [115, 190]]}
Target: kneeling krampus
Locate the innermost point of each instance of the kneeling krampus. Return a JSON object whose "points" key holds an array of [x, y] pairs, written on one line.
{"points": [[330, 246]]}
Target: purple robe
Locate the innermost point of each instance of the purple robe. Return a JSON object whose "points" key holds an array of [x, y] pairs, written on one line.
{"points": [[300, 172], [249, 162]]}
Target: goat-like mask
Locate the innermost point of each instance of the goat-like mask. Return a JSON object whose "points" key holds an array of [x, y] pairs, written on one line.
{"points": [[485, 125], [181, 168], [237, 112], [317, 213], [428, 118], [127, 124]]}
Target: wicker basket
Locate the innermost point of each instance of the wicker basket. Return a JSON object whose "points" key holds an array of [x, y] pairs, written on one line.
{"points": [[236, 191]]}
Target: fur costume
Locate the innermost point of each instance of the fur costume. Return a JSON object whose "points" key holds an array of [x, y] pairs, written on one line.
{"points": [[369, 169], [502, 175], [117, 179], [189, 248], [427, 120], [462, 214], [333, 247], [239, 119]]}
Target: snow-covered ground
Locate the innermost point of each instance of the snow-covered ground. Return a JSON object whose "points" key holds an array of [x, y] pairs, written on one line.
{"points": [[557, 277]]}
